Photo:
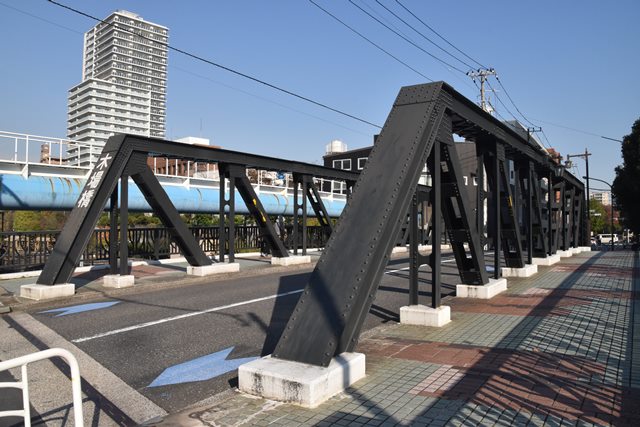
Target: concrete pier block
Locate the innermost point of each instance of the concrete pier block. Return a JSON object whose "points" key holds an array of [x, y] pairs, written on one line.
{"points": [[208, 270], [422, 315], [291, 260], [301, 383], [399, 250], [549, 260], [527, 271], [488, 291], [42, 292], [118, 281], [565, 254], [575, 251], [585, 248]]}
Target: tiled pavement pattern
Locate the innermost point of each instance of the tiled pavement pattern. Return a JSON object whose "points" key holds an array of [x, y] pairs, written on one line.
{"points": [[559, 348]]}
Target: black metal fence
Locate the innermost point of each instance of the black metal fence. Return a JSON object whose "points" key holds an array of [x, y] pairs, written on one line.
{"points": [[22, 251]]}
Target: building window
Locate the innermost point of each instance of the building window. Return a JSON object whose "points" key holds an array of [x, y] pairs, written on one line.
{"points": [[344, 164], [361, 162]]}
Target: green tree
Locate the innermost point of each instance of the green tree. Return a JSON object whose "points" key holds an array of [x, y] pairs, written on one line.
{"points": [[626, 186], [599, 217]]}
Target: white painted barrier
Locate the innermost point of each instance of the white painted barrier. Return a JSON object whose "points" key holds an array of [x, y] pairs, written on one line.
{"points": [[23, 384]]}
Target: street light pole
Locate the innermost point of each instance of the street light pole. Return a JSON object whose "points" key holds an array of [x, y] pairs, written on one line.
{"points": [[611, 191]]}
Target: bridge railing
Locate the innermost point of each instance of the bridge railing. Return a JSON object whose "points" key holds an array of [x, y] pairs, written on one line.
{"points": [[29, 250]]}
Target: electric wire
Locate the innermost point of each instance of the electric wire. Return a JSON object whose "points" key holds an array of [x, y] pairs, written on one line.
{"points": [[417, 46], [421, 34], [223, 67], [369, 41], [438, 34], [40, 18]]}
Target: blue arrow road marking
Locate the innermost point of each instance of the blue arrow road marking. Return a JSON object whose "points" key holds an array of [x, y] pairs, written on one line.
{"points": [[74, 309], [200, 369]]}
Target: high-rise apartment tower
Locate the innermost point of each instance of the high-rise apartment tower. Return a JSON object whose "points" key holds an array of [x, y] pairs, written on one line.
{"points": [[124, 83]]}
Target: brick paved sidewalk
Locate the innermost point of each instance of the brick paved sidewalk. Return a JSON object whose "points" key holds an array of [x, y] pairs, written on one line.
{"points": [[559, 348]]}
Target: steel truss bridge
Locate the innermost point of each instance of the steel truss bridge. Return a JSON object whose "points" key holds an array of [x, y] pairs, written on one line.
{"points": [[540, 210]]}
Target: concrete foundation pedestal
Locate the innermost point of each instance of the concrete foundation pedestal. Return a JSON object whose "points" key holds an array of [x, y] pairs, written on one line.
{"points": [[301, 383], [291, 260], [118, 281], [584, 248], [549, 260], [527, 271], [207, 270], [576, 250], [42, 292], [422, 315], [488, 291], [565, 254], [399, 250]]}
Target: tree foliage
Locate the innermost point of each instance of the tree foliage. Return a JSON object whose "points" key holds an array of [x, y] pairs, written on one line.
{"points": [[599, 217], [626, 186]]}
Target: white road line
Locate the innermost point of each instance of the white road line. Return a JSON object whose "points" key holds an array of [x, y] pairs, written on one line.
{"points": [[183, 316], [209, 310]]}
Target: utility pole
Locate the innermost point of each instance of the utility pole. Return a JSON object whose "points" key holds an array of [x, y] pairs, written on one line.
{"points": [[482, 74], [569, 164]]}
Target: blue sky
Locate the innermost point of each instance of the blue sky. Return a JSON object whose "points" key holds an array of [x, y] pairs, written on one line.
{"points": [[573, 63]]}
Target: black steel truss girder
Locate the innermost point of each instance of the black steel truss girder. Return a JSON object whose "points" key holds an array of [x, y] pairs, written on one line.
{"points": [[342, 287], [162, 148], [168, 214], [237, 174], [311, 194], [79, 227], [508, 229]]}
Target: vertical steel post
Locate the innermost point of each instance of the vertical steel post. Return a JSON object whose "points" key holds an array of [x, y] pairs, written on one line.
{"points": [[529, 213], [222, 230], [124, 224], [496, 216], [231, 238], [436, 215], [480, 196], [551, 199], [296, 211], [113, 232], [413, 251], [305, 189]]}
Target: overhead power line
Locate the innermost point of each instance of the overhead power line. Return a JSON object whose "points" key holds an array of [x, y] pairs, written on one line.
{"points": [[438, 34], [223, 67], [421, 34], [411, 42], [369, 40]]}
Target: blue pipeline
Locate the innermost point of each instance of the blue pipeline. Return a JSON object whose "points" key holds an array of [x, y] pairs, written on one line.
{"points": [[54, 193]]}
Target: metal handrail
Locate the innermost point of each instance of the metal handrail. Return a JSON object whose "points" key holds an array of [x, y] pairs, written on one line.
{"points": [[23, 384]]}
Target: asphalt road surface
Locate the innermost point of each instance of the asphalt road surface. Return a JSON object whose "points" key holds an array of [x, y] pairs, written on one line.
{"points": [[198, 331]]}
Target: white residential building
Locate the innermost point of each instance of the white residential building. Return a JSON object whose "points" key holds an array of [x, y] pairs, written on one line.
{"points": [[124, 83], [603, 197]]}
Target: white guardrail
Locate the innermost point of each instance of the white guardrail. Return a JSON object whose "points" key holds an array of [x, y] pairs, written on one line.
{"points": [[23, 384]]}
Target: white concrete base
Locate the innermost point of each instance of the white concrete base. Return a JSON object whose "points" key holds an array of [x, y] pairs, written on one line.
{"points": [[488, 291], [399, 250], [425, 316], [584, 248], [527, 271], [40, 292], [301, 383], [549, 260], [565, 254], [118, 281], [575, 251], [207, 270], [291, 260]]}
